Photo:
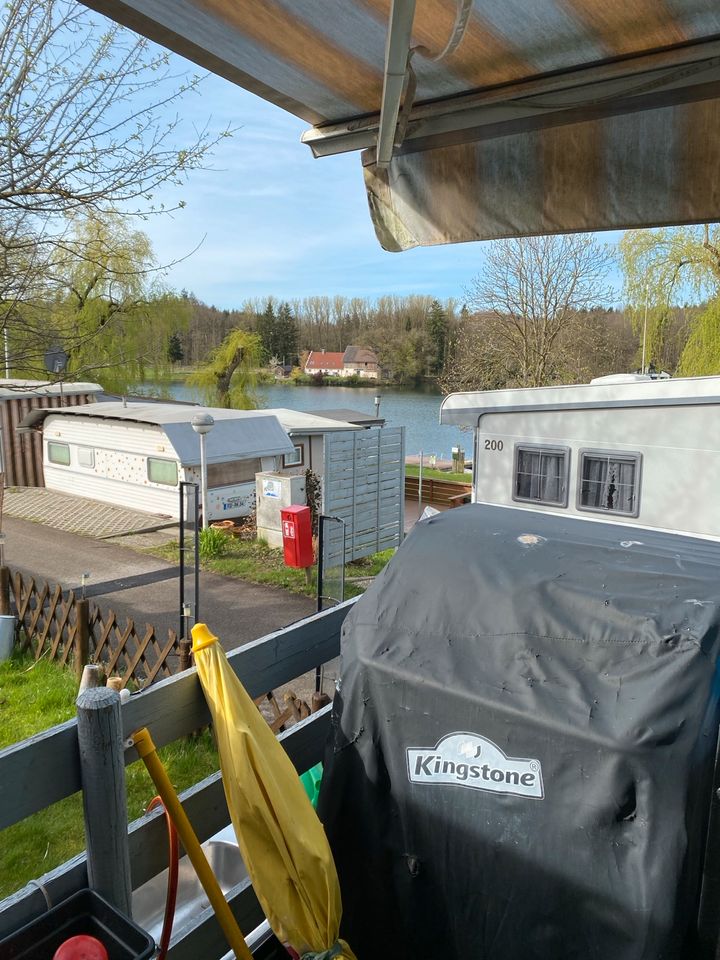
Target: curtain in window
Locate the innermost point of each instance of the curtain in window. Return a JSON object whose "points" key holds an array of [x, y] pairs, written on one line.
{"points": [[540, 476], [608, 484]]}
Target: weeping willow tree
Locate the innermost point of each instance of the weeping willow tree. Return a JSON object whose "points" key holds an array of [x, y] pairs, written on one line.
{"points": [[701, 356], [662, 268], [103, 301], [230, 375]]}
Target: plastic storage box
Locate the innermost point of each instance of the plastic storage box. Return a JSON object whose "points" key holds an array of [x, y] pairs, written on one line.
{"points": [[84, 912]]}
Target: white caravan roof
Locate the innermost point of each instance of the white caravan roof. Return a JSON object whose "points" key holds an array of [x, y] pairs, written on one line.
{"points": [[296, 421], [464, 409], [10, 388], [237, 434]]}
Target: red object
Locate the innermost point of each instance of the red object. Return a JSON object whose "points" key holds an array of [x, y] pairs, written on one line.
{"points": [[172, 884], [297, 536], [82, 947]]}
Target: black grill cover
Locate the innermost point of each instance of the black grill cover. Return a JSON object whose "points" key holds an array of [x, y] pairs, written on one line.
{"points": [[523, 745]]}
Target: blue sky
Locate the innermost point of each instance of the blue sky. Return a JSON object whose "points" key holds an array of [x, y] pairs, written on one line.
{"points": [[273, 220]]}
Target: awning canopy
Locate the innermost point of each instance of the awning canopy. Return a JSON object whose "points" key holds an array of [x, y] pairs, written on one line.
{"points": [[519, 117]]}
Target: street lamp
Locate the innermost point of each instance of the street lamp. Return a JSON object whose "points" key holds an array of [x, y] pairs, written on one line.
{"points": [[378, 398], [202, 424]]}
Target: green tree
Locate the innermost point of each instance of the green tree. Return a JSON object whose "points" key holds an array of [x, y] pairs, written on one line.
{"points": [[267, 331], [661, 269], [438, 331], [285, 340], [229, 375], [104, 304], [86, 127], [701, 355], [175, 352]]}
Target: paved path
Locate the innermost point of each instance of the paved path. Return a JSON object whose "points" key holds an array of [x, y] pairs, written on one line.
{"points": [[146, 588], [91, 518]]}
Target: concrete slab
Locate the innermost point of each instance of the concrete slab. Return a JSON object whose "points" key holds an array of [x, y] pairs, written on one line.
{"points": [[89, 518]]}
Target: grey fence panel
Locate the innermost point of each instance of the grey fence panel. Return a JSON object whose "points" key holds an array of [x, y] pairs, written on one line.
{"points": [[364, 485], [45, 768], [207, 810]]}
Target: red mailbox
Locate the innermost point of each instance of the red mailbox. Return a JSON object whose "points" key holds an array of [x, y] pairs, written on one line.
{"points": [[297, 536]]}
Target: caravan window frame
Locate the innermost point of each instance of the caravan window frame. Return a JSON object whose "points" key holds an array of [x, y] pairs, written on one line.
{"points": [[58, 443], [83, 450], [162, 483], [631, 456], [552, 450]]}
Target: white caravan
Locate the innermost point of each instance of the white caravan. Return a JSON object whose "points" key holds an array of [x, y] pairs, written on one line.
{"points": [[630, 448], [136, 454]]}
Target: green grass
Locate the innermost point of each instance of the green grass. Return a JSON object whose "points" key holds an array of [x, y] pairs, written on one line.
{"points": [[34, 697], [429, 474], [255, 561]]}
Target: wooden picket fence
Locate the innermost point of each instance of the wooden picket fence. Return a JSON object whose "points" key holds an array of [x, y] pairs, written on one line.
{"points": [[61, 626]]}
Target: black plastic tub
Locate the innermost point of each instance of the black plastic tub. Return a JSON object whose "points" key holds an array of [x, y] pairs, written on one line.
{"points": [[85, 912]]}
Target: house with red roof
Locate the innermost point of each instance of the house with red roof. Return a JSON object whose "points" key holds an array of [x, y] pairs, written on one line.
{"points": [[325, 362], [354, 362]]}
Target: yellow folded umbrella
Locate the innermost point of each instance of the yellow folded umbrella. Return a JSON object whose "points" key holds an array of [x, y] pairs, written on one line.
{"points": [[281, 839]]}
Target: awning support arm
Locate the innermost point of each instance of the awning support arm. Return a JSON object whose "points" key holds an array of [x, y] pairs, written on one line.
{"points": [[397, 53]]}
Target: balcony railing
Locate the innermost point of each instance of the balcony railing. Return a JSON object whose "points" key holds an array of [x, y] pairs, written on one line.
{"points": [[38, 772]]}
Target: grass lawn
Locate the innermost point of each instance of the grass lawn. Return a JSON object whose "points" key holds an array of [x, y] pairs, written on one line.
{"points": [[33, 697], [429, 474], [255, 561]]}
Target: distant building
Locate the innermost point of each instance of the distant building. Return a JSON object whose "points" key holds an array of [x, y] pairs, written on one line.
{"points": [[360, 362], [325, 362], [354, 362]]}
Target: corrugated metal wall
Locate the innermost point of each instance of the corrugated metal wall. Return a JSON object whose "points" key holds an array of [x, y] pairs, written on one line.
{"points": [[22, 454]]}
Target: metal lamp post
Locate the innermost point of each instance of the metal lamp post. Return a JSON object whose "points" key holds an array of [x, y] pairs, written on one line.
{"points": [[378, 398], [202, 424]]}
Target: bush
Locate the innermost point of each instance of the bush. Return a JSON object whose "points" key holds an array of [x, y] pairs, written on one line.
{"points": [[213, 543]]}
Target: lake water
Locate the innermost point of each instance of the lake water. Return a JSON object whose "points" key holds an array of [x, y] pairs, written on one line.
{"points": [[417, 410]]}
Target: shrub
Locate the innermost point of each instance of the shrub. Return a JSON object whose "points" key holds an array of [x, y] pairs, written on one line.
{"points": [[213, 543]]}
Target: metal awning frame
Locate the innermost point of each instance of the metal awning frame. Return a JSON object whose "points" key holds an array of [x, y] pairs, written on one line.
{"points": [[680, 74]]}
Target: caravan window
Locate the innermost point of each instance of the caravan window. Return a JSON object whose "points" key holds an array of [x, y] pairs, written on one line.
{"points": [[85, 457], [59, 453], [541, 474], [162, 471], [610, 482], [233, 472]]}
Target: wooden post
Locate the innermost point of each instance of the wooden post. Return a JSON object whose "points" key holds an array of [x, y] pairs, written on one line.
{"points": [[91, 676], [102, 771], [5, 591], [185, 648], [82, 636]]}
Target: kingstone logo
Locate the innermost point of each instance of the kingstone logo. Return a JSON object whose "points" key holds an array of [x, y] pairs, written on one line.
{"points": [[467, 760]]}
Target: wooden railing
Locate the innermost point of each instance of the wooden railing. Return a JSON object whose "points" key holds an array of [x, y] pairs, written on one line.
{"points": [[441, 492], [46, 768]]}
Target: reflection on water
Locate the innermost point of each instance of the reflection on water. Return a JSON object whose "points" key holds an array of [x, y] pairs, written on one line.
{"points": [[417, 410]]}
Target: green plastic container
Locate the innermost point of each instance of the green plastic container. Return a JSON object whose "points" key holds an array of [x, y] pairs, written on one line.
{"points": [[311, 780]]}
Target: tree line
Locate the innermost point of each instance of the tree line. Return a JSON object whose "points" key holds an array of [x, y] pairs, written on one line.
{"points": [[409, 334]]}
